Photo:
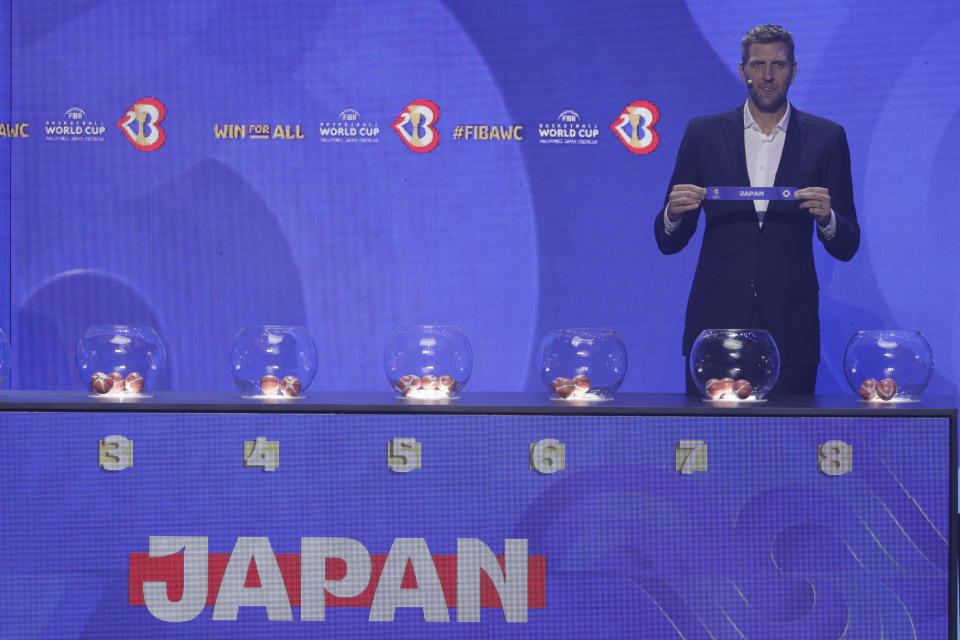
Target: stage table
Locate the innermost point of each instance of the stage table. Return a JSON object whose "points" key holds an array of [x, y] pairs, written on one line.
{"points": [[207, 515]]}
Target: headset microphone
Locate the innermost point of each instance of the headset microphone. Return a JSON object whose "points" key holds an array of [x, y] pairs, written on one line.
{"points": [[749, 81]]}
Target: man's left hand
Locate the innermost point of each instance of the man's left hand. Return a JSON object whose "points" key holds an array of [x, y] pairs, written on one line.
{"points": [[817, 200]]}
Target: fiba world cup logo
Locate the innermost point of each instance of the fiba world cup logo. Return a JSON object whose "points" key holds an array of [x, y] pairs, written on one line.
{"points": [[634, 127], [141, 124], [415, 127]]}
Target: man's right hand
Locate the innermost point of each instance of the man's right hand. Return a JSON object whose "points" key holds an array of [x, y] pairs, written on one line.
{"points": [[683, 198]]}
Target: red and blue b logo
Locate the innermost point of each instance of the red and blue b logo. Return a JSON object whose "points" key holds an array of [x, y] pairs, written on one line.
{"points": [[141, 124]]}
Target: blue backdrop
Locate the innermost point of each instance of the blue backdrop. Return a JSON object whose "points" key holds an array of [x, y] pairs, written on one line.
{"points": [[352, 235]]}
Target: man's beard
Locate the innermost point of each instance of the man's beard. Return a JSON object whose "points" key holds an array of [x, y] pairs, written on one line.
{"points": [[779, 100]]}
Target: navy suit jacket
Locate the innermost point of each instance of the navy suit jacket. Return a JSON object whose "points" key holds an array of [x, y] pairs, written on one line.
{"points": [[742, 264]]}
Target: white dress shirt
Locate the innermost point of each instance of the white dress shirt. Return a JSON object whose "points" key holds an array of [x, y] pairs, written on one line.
{"points": [[763, 154]]}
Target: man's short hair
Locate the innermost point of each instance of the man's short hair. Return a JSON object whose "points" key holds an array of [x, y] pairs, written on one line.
{"points": [[764, 34]]}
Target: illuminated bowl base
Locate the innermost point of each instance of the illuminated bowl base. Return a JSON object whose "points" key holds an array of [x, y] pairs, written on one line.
{"points": [[273, 396], [428, 394], [119, 396], [588, 397], [894, 400], [729, 401]]}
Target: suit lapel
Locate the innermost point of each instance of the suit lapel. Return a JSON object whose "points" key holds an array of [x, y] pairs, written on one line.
{"points": [[733, 134], [788, 173]]}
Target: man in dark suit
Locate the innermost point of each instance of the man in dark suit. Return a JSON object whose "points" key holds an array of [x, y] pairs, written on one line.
{"points": [[756, 267]]}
